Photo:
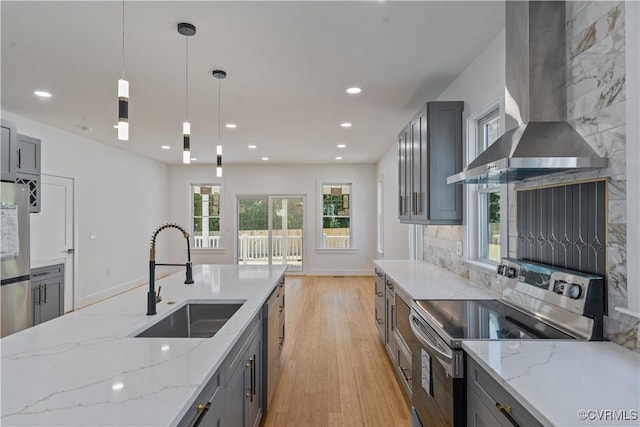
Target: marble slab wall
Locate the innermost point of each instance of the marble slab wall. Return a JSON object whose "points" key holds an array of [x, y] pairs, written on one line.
{"points": [[596, 95]]}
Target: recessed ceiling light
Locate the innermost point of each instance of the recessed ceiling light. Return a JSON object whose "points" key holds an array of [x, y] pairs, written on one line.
{"points": [[341, 146], [253, 147], [117, 386], [345, 125], [265, 158], [354, 90], [194, 159], [231, 125], [338, 158], [165, 147], [42, 93]]}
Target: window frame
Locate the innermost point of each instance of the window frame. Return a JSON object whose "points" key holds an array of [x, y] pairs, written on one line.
{"points": [[191, 196], [477, 243], [320, 227]]}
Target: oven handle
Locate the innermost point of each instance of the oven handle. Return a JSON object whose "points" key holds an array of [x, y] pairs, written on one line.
{"points": [[427, 340]]}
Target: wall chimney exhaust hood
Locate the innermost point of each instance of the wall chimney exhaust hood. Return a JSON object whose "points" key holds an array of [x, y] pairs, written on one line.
{"points": [[540, 141]]}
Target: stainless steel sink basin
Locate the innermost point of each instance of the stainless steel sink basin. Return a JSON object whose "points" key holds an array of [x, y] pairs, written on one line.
{"points": [[193, 320]]}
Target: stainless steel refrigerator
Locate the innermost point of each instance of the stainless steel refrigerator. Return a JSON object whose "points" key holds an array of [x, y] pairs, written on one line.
{"points": [[15, 295]]}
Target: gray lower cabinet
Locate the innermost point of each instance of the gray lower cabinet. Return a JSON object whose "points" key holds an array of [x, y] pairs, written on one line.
{"points": [[208, 408], [489, 404], [47, 290], [390, 320], [274, 339], [244, 381], [403, 337], [380, 301]]}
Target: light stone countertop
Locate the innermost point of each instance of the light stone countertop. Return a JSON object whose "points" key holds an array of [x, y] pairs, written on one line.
{"points": [[421, 280], [555, 380], [85, 368]]}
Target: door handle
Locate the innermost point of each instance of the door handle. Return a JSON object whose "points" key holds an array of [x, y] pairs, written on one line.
{"points": [[69, 251]]}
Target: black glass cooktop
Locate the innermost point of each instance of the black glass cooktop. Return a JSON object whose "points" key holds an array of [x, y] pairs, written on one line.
{"points": [[484, 319]]}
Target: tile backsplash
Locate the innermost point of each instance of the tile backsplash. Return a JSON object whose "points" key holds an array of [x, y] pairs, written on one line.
{"points": [[596, 108]]}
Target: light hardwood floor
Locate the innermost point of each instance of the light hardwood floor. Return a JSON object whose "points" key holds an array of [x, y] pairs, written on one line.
{"points": [[335, 371]]}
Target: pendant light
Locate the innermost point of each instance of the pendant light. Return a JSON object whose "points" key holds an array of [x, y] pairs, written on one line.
{"points": [[219, 74], [186, 30], [123, 96]]}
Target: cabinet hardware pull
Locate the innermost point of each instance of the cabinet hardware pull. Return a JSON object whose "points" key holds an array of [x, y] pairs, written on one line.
{"points": [[380, 321], [506, 411], [404, 370], [39, 294], [380, 294], [202, 409], [248, 394], [401, 212], [19, 158], [45, 293]]}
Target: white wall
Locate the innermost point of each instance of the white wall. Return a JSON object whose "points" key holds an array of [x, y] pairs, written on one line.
{"points": [[395, 234], [282, 180], [118, 195]]}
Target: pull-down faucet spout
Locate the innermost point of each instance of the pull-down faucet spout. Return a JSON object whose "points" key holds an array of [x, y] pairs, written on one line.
{"points": [[152, 298]]}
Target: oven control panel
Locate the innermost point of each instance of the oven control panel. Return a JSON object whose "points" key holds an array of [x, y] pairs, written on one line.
{"points": [[579, 292]]}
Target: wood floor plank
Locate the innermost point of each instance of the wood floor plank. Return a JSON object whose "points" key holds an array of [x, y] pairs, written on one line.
{"points": [[335, 370]]}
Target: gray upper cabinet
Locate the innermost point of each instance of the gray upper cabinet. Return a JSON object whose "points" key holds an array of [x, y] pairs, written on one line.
{"points": [[429, 150], [9, 147], [28, 168], [28, 155]]}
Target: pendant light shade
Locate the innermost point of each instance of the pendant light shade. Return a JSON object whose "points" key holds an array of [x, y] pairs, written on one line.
{"points": [[123, 110], [219, 74], [123, 96], [186, 30]]}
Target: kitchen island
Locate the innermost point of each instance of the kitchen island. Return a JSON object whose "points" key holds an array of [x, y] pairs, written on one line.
{"points": [[86, 368]]}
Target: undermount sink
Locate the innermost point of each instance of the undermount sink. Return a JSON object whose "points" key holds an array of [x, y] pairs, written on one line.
{"points": [[193, 320]]}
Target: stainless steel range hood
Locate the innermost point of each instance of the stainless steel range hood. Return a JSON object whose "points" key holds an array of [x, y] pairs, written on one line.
{"points": [[540, 141]]}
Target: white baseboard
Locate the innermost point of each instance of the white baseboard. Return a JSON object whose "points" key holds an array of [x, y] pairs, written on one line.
{"points": [[82, 302], [366, 272]]}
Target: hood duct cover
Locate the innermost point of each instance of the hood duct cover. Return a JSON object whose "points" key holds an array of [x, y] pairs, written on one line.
{"points": [[540, 141]]}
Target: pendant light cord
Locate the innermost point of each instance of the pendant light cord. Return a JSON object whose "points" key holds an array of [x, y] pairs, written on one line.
{"points": [[219, 97], [186, 78], [122, 39]]}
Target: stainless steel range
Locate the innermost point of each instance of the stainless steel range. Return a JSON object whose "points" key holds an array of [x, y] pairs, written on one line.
{"points": [[538, 302]]}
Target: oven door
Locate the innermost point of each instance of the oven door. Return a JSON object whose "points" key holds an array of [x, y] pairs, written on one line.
{"points": [[438, 395]]}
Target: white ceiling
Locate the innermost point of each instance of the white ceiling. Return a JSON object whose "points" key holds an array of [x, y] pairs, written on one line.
{"points": [[288, 66]]}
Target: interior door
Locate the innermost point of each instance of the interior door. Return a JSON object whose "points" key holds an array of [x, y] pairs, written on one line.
{"points": [[52, 230]]}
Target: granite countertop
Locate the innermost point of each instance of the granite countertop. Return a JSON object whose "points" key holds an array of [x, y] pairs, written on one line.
{"points": [[425, 281], [85, 368], [556, 380]]}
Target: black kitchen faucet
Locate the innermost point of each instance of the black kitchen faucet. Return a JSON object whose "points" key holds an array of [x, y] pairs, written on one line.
{"points": [[152, 298]]}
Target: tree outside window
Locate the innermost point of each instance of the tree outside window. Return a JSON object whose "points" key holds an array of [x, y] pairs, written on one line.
{"points": [[336, 215]]}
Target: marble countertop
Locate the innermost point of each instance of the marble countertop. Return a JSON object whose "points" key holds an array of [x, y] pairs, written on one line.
{"points": [[421, 280], [556, 380], [85, 368]]}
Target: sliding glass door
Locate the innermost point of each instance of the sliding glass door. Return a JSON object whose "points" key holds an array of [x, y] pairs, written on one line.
{"points": [[270, 231]]}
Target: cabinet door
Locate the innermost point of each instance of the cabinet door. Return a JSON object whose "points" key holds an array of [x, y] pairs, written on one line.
{"points": [[28, 153], [390, 316], [444, 159], [235, 396], [404, 178], [36, 296], [51, 298], [419, 166], [479, 415], [253, 382], [273, 346], [8, 154]]}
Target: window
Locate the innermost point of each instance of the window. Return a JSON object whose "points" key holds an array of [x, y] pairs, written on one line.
{"points": [[336, 216], [488, 194], [205, 206], [380, 216]]}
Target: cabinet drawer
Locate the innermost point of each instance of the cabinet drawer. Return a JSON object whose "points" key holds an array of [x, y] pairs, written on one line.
{"points": [[208, 404], [403, 364], [379, 313], [494, 396], [403, 311], [235, 358], [44, 273], [379, 281]]}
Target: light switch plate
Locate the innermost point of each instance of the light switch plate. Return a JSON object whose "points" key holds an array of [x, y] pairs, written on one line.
{"points": [[459, 248], [92, 235]]}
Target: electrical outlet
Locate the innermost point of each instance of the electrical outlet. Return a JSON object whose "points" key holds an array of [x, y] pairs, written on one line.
{"points": [[459, 248], [92, 235]]}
